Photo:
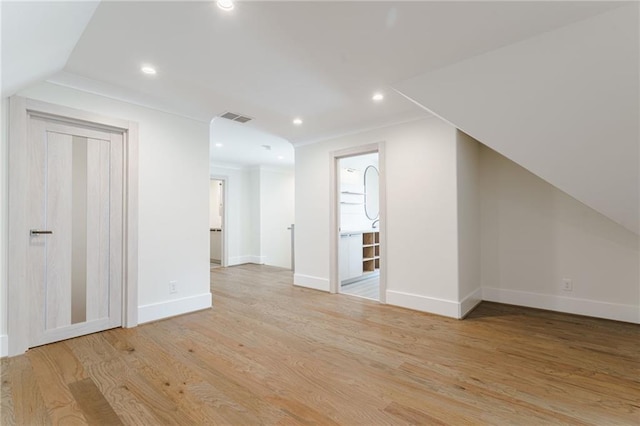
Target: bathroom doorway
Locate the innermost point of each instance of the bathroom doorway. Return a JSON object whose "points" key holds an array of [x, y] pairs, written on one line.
{"points": [[359, 242], [216, 223]]}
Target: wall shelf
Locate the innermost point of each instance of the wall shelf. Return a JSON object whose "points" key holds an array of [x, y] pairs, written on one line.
{"points": [[370, 251]]}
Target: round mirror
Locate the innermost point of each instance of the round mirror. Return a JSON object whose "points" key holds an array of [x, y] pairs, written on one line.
{"points": [[371, 192]]}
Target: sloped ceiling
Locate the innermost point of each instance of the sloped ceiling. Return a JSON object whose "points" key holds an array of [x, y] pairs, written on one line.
{"points": [[564, 105], [512, 74], [321, 61], [37, 39]]}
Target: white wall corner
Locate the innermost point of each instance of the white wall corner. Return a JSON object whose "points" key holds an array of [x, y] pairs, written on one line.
{"points": [[308, 281], [592, 308], [4, 345], [241, 260], [171, 308], [432, 305], [467, 304]]}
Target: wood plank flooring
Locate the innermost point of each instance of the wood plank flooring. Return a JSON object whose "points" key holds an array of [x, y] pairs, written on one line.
{"points": [[272, 353]]}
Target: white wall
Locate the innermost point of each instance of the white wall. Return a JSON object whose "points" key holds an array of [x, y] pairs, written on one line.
{"points": [[260, 208], [420, 164], [565, 105], [276, 215], [468, 169], [4, 217], [173, 200], [215, 201], [238, 220], [353, 216], [254, 214], [534, 235]]}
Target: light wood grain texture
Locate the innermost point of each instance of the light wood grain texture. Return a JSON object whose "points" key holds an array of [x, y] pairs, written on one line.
{"points": [[98, 231], [7, 415], [22, 384], [59, 218], [55, 367], [272, 353], [18, 227], [36, 219], [130, 262], [23, 306], [117, 251], [93, 404]]}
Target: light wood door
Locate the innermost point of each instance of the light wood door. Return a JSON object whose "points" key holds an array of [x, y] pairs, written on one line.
{"points": [[75, 262]]}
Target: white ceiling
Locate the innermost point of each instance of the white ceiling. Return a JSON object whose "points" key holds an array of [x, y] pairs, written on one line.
{"points": [[274, 61], [37, 39], [247, 146]]}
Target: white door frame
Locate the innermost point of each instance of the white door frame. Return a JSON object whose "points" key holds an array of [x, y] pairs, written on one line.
{"points": [[224, 262], [334, 209], [18, 303]]}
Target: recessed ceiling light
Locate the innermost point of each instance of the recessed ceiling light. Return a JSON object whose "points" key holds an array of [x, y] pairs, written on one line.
{"points": [[148, 70], [377, 96], [297, 121], [280, 157], [219, 145], [226, 4]]}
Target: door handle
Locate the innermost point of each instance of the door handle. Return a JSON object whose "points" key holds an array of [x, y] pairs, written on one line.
{"points": [[39, 232]]}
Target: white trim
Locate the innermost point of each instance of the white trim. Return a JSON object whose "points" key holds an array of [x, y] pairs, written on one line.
{"points": [[241, 260], [109, 91], [432, 305], [224, 262], [4, 348], [213, 165], [467, 304], [343, 133], [308, 281], [382, 224], [171, 308], [571, 305]]}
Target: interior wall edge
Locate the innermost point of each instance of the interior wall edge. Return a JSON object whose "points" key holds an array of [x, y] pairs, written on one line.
{"points": [[417, 302], [4, 347], [172, 308], [570, 305], [307, 281]]}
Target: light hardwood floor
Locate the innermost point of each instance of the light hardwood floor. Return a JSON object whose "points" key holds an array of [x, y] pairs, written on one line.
{"points": [[271, 353]]}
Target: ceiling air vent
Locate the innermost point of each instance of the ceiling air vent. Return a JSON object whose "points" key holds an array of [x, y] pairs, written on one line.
{"points": [[236, 117]]}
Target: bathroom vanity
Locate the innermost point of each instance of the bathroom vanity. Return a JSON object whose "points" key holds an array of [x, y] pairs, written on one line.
{"points": [[359, 254]]}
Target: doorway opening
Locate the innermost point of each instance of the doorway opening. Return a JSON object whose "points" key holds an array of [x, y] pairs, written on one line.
{"points": [[216, 223], [357, 212]]}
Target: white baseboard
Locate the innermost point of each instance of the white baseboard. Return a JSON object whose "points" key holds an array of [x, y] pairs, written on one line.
{"points": [[171, 308], [241, 260], [592, 308], [432, 305], [311, 282], [469, 302], [4, 345]]}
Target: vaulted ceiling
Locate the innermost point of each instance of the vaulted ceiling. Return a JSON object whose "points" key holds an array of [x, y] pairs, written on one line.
{"points": [[487, 67], [272, 61]]}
